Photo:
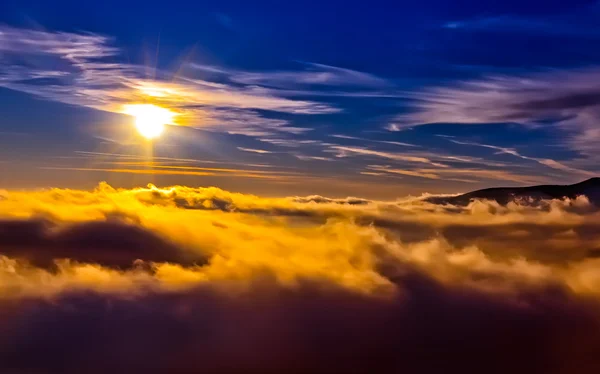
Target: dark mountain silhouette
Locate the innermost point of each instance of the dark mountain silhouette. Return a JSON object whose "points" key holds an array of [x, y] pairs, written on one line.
{"points": [[504, 195]]}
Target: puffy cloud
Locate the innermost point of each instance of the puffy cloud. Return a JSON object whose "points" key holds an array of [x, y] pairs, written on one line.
{"points": [[185, 279]]}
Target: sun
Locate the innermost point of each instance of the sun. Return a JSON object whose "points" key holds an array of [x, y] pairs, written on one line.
{"points": [[150, 119]]}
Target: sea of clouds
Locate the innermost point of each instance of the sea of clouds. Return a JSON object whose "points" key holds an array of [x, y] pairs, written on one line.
{"points": [[188, 280]]}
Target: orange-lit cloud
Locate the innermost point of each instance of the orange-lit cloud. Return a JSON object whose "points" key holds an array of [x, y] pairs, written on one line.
{"points": [[197, 275], [174, 170], [202, 276], [213, 222]]}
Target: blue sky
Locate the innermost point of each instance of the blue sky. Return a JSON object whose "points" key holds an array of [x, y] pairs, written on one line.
{"points": [[377, 99]]}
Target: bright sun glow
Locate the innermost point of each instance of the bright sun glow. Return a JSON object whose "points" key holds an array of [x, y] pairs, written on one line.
{"points": [[150, 120]]}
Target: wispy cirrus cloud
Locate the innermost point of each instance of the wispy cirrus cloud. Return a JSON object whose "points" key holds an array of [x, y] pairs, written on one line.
{"points": [[440, 165], [340, 136], [254, 150], [84, 69], [71, 46], [313, 74], [567, 100], [293, 143], [511, 23], [172, 170], [385, 169], [578, 21], [543, 161], [466, 175], [345, 151], [312, 158]]}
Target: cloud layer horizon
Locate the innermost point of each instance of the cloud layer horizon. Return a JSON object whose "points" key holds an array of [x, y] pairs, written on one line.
{"points": [[182, 280]]}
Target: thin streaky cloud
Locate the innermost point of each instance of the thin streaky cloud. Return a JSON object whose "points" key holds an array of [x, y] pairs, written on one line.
{"points": [[313, 74], [412, 173], [565, 100], [343, 151], [164, 172], [575, 24], [253, 150], [395, 143], [294, 143], [465, 175], [144, 159], [490, 174], [312, 158], [138, 157], [341, 136], [89, 74], [544, 161], [196, 168]]}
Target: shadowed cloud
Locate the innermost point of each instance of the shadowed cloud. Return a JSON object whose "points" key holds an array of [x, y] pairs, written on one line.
{"points": [[113, 244], [312, 329], [302, 284]]}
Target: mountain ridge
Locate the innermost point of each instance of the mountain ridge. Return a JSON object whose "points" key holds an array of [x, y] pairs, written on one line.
{"points": [[503, 195]]}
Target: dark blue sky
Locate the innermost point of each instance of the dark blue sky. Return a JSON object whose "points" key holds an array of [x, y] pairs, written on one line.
{"points": [[274, 97]]}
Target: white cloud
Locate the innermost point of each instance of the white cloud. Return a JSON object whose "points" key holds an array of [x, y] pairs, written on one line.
{"points": [[252, 150], [544, 161], [312, 158], [340, 136], [568, 99], [84, 69], [313, 75], [343, 151]]}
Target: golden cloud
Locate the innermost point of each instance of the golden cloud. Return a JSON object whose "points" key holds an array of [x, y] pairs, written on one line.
{"points": [[227, 275]]}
